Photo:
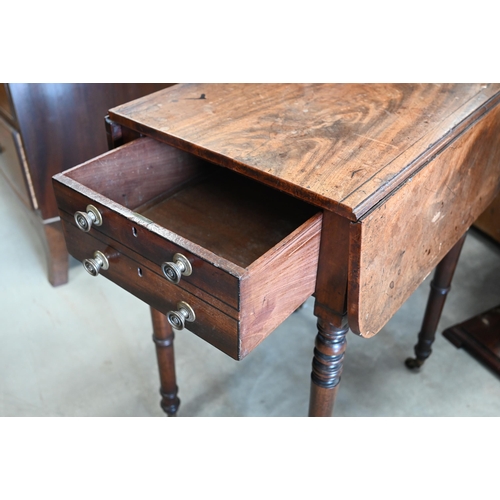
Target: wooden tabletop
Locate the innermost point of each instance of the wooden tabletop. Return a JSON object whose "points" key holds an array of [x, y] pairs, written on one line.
{"points": [[409, 166], [342, 147]]}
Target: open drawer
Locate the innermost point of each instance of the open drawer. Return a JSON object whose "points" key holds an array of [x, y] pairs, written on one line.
{"points": [[244, 254]]}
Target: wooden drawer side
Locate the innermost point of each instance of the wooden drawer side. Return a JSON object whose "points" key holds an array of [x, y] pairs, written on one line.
{"points": [[279, 283]]}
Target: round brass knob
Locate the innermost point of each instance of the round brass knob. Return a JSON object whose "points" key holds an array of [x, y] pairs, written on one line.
{"points": [[178, 318], [84, 220], [173, 271], [93, 266]]}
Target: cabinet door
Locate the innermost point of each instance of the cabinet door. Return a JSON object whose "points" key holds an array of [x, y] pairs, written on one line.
{"points": [[12, 164]]}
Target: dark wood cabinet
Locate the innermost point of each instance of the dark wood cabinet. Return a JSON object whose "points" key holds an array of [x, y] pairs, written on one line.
{"points": [[46, 128]]}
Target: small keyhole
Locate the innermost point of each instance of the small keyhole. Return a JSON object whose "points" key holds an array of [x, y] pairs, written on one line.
{"points": [[134, 231], [139, 272]]}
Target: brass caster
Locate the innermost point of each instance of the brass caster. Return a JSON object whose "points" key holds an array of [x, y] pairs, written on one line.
{"points": [[413, 363]]}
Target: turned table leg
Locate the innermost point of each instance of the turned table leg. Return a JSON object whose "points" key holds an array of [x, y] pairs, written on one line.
{"points": [[440, 286], [327, 362], [163, 337]]}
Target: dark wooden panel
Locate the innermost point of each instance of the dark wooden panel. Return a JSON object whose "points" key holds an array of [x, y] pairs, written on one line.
{"points": [[155, 244], [398, 244], [137, 173], [62, 125], [333, 145], [12, 164], [155, 268], [480, 336]]}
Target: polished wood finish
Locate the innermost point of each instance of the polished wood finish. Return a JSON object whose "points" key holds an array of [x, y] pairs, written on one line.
{"points": [[312, 141], [449, 200], [332, 145], [331, 282], [400, 171], [138, 172], [57, 126], [126, 270], [262, 247], [327, 367], [163, 337], [489, 221], [479, 336], [331, 309], [440, 286], [278, 283]]}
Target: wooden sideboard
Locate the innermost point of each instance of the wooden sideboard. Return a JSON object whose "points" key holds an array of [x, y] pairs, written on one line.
{"points": [[46, 128], [240, 201]]}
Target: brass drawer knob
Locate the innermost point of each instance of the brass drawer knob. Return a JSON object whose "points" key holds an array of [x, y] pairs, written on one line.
{"points": [[173, 271], [93, 266], [84, 220], [177, 318]]}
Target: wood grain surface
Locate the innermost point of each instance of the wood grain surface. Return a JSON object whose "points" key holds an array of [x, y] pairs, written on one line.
{"points": [[338, 146], [139, 172], [211, 324], [278, 283], [211, 273], [273, 287], [254, 251], [396, 245], [233, 217], [231, 294]]}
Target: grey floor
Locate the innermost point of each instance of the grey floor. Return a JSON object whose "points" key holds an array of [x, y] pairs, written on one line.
{"points": [[85, 349]]}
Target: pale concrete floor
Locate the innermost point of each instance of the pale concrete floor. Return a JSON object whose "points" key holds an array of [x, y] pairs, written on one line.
{"points": [[85, 349]]}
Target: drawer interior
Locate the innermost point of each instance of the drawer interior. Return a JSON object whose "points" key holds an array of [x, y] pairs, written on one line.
{"points": [[232, 216]]}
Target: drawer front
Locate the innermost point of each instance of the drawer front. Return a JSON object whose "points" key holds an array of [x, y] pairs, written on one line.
{"points": [[210, 324], [206, 276], [11, 163]]}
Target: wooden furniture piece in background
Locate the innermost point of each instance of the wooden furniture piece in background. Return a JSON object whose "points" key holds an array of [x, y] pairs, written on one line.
{"points": [[489, 221], [480, 335], [440, 286], [46, 128], [383, 180]]}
